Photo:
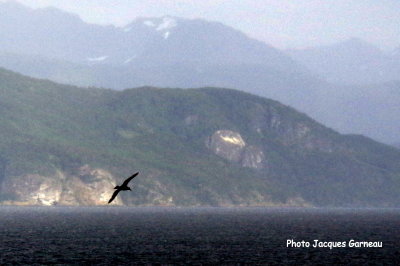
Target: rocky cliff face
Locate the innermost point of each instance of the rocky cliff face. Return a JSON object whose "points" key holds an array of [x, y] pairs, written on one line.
{"points": [[231, 146], [289, 132], [87, 186], [253, 157], [269, 121], [34, 189]]}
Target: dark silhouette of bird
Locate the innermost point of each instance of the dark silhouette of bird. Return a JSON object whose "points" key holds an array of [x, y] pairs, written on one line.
{"points": [[124, 186]]}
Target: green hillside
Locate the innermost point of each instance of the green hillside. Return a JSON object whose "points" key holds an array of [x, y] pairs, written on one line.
{"points": [[204, 146]]}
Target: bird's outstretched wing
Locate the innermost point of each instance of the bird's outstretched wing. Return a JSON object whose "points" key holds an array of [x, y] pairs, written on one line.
{"points": [[114, 195], [129, 179]]}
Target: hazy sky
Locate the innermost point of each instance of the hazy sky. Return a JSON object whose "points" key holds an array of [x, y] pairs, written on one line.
{"points": [[281, 23]]}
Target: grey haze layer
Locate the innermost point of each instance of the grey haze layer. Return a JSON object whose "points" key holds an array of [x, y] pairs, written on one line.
{"points": [[174, 52], [352, 62]]}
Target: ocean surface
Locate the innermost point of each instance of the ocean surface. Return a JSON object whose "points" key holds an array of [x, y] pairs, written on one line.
{"points": [[193, 236]]}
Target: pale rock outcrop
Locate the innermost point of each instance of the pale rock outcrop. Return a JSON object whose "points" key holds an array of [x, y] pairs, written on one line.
{"points": [[231, 146], [87, 187], [253, 157], [297, 202], [191, 120], [34, 189], [159, 195], [227, 144]]}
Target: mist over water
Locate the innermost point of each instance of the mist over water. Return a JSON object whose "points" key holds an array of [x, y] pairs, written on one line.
{"points": [[101, 235]]}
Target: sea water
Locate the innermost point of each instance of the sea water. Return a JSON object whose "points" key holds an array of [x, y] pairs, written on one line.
{"points": [[161, 235]]}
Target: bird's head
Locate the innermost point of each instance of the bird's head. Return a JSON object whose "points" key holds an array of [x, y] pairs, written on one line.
{"points": [[129, 188]]}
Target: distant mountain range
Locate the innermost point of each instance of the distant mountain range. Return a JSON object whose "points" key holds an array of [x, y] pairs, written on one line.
{"points": [[143, 48], [352, 62], [175, 52], [364, 97], [64, 145]]}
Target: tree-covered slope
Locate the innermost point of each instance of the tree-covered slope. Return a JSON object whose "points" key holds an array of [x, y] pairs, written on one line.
{"points": [[67, 145]]}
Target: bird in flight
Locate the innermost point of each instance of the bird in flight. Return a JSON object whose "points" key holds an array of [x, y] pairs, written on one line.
{"points": [[124, 186]]}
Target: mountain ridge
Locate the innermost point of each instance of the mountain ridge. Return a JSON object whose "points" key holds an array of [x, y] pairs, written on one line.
{"points": [[351, 62], [83, 54], [198, 147]]}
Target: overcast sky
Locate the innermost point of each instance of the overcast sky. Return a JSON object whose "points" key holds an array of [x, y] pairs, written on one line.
{"points": [[281, 23]]}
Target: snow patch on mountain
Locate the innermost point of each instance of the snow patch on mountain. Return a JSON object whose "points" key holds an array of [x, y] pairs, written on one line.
{"points": [[166, 24], [149, 23], [129, 59], [97, 59]]}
